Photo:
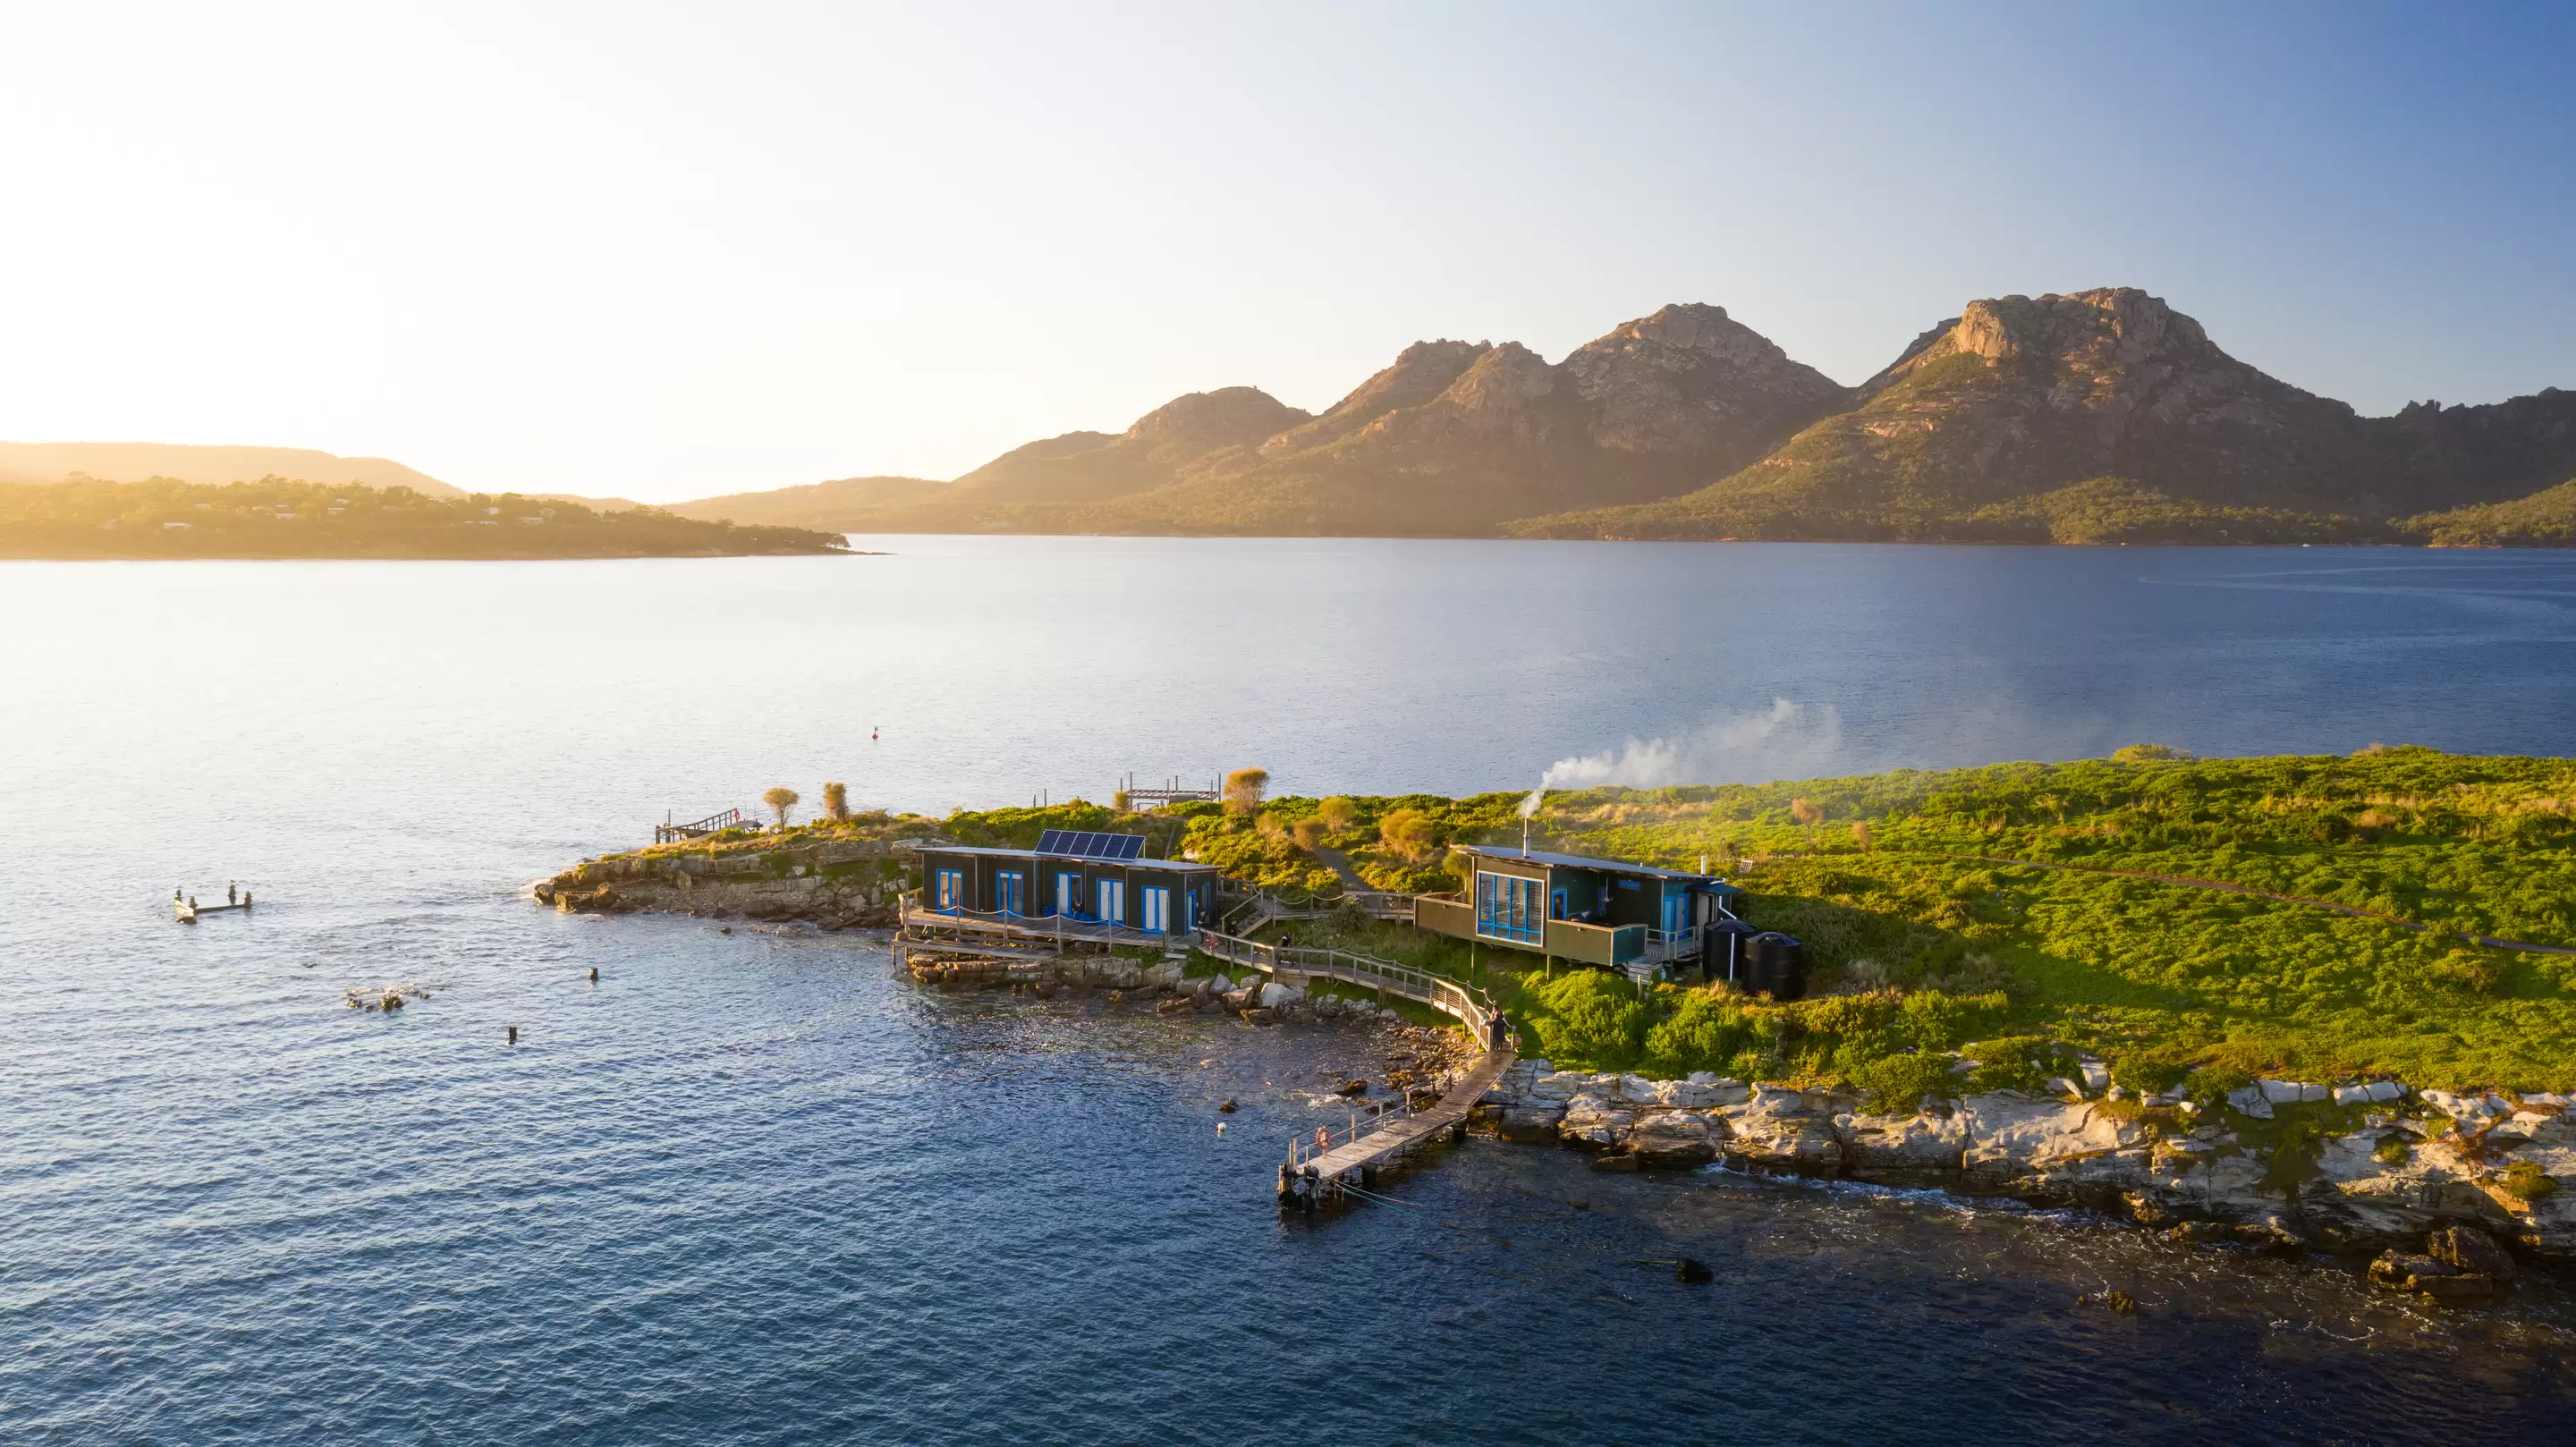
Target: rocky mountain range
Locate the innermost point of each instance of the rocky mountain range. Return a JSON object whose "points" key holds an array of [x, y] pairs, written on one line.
{"points": [[2099, 416]]}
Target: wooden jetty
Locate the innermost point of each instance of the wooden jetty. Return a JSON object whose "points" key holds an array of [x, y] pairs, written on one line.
{"points": [[1324, 1169], [185, 908]]}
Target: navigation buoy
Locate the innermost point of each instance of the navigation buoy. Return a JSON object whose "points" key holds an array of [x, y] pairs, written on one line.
{"points": [[872, 733], [594, 974]]}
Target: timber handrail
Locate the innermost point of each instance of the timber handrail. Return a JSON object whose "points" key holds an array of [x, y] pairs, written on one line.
{"points": [[712, 824], [1472, 1007]]}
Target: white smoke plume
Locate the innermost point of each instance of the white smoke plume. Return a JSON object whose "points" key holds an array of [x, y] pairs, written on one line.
{"points": [[1529, 806], [1785, 741]]}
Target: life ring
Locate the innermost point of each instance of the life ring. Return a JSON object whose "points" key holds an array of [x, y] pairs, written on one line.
{"points": [[1323, 1138]]}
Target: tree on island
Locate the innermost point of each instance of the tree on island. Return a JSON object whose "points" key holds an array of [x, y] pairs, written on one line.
{"points": [[836, 802], [780, 799], [1244, 788]]}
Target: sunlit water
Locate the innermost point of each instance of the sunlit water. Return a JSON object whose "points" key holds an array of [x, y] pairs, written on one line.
{"points": [[754, 1188]]}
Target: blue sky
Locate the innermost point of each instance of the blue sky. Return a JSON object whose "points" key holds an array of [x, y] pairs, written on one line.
{"points": [[665, 250]]}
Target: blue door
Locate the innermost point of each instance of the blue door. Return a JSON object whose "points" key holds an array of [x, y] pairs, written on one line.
{"points": [[1158, 909], [1006, 892], [951, 889], [1068, 894], [1113, 901]]}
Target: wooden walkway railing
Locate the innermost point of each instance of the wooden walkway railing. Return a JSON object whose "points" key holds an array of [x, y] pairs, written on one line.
{"points": [[968, 925], [1321, 1167], [712, 824]]}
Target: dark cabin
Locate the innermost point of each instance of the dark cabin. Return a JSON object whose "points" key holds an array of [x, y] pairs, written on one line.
{"points": [[1594, 911], [1075, 875]]}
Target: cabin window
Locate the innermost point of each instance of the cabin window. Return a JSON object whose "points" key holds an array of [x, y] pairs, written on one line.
{"points": [[1158, 909], [949, 888], [1507, 907], [1113, 900], [1006, 892]]}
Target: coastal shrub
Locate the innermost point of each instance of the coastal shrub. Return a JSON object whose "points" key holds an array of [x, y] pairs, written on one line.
{"points": [[2147, 1074], [2526, 1181], [1589, 1019], [1307, 832], [1244, 788], [1410, 834], [2212, 1083], [2146, 753], [1338, 814], [1898, 1084], [836, 802], [780, 799], [2480, 971], [2020, 1062], [1705, 1031]]}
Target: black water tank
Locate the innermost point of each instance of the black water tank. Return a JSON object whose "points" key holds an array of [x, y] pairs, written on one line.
{"points": [[1723, 953], [1779, 966]]}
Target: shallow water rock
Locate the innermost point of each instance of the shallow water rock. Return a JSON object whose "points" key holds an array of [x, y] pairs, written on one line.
{"points": [[1533, 1122], [1671, 1138], [1922, 1148], [2049, 1149], [1782, 1129], [1594, 1123]]}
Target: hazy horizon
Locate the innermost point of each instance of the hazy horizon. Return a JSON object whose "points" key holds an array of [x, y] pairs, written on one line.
{"points": [[665, 252]]}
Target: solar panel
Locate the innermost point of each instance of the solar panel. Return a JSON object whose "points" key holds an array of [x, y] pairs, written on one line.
{"points": [[1087, 844]]}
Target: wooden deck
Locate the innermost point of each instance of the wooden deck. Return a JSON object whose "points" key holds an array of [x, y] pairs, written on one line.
{"points": [[1357, 1160], [1321, 1172], [1023, 932]]}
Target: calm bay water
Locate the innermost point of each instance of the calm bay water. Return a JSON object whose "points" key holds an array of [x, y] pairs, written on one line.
{"points": [[753, 1188]]}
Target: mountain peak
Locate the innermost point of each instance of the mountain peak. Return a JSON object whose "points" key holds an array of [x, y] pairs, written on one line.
{"points": [[1201, 422], [1691, 381], [2122, 322]]}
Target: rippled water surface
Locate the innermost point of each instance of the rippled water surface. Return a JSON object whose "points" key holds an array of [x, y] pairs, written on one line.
{"points": [[754, 1188]]}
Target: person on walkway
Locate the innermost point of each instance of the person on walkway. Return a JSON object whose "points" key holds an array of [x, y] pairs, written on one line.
{"points": [[228, 895]]}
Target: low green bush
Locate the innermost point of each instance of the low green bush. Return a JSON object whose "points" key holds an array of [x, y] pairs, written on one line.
{"points": [[2526, 1181], [2020, 1062], [2147, 1074], [2213, 1083], [1900, 1083]]}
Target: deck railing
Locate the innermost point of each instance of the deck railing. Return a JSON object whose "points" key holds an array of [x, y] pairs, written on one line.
{"points": [[1036, 929], [712, 824], [1364, 1120], [1467, 1004]]}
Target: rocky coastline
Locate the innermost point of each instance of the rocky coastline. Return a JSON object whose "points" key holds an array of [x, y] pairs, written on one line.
{"points": [[2445, 1191], [833, 883], [2425, 1181]]}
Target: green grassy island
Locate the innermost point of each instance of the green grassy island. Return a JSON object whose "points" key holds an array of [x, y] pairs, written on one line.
{"points": [[277, 518], [2012, 913]]}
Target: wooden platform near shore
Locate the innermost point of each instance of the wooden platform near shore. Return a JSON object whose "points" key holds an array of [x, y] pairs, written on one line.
{"points": [[1360, 1157]]}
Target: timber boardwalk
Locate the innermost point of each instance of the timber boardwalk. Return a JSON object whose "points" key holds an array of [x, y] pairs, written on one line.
{"points": [[1327, 1168]]}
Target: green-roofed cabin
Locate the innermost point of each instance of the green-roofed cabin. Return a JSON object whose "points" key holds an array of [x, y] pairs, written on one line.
{"points": [[1632, 917]]}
